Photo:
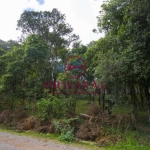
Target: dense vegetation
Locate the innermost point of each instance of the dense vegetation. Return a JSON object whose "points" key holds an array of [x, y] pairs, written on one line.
{"points": [[120, 61]]}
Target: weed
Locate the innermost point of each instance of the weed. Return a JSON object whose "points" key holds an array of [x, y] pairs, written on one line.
{"points": [[66, 130]]}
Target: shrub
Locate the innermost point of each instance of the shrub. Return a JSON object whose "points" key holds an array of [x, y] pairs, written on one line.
{"points": [[66, 130], [51, 106]]}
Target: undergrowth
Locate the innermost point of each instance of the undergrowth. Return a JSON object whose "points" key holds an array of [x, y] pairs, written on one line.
{"points": [[128, 144], [66, 130]]}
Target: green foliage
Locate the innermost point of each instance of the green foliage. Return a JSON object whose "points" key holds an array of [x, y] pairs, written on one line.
{"points": [[42, 23], [67, 135], [51, 106], [121, 58], [67, 132], [43, 106]]}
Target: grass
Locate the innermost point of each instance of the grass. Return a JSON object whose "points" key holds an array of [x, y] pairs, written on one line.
{"points": [[83, 105], [128, 144], [132, 141], [122, 109]]}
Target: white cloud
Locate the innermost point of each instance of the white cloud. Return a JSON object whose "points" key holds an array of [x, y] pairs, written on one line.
{"points": [[80, 14]]}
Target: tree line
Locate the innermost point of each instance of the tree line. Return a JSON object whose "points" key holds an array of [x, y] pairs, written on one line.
{"points": [[120, 59]]}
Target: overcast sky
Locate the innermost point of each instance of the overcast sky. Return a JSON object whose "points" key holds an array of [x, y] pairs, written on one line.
{"points": [[80, 14]]}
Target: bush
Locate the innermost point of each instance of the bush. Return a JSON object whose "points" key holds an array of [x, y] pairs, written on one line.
{"points": [[51, 106], [66, 130], [67, 135]]}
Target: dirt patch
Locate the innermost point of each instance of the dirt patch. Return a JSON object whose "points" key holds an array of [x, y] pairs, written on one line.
{"points": [[10, 141]]}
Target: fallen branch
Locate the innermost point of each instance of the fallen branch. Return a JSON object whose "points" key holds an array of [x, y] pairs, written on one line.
{"points": [[85, 116]]}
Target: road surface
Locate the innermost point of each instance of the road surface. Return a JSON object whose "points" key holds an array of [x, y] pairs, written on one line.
{"points": [[9, 141]]}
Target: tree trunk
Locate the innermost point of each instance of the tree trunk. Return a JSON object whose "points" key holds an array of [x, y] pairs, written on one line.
{"points": [[133, 97], [147, 94], [99, 96], [34, 107], [141, 96], [103, 100]]}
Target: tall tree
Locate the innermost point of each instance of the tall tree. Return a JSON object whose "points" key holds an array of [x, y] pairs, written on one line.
{"points": [[53, 29]]}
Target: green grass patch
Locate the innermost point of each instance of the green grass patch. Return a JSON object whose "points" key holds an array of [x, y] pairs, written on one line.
{"points": [[82, 106], [122, 109], [128, 144], [133, 140]]}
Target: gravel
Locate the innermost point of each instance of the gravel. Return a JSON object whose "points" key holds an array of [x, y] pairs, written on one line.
{"points": [[9, 141], [4, 146]]}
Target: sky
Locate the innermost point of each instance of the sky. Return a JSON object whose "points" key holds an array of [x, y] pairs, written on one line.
{"points": [[80, 14]]}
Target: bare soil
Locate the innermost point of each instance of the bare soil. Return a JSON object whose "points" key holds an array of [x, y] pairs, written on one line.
{"points": [[9, 141]]}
